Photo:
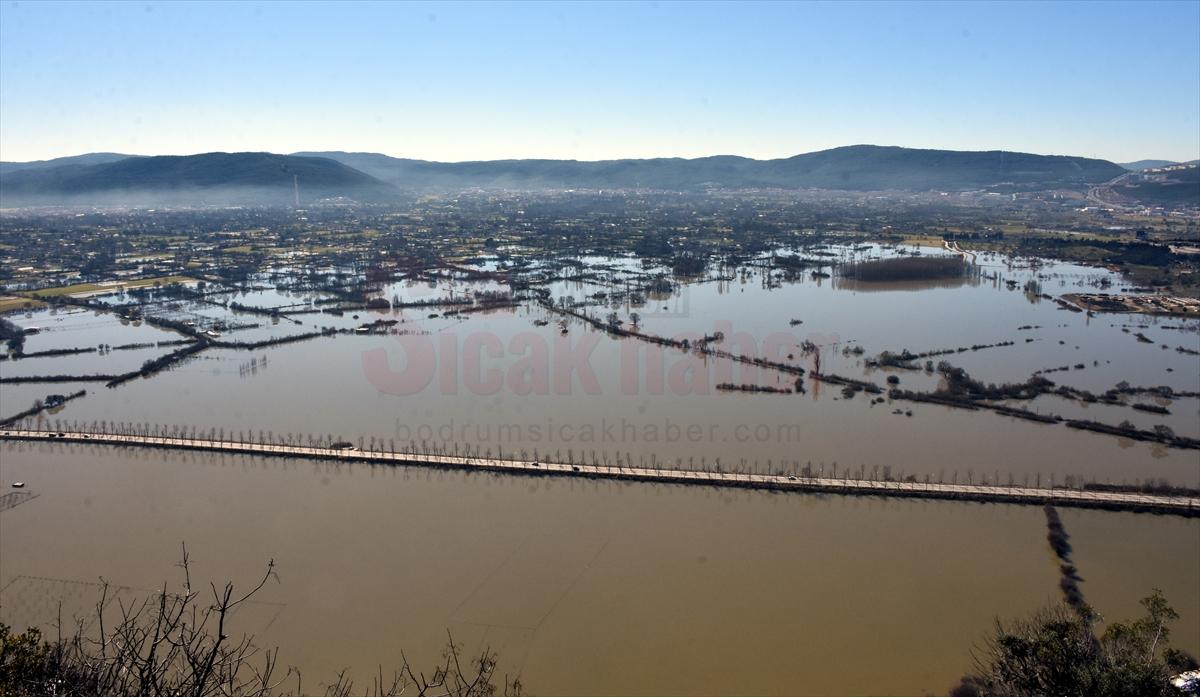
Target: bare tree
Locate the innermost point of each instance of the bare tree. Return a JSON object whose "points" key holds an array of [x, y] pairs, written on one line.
{"points": [[180, 643]]}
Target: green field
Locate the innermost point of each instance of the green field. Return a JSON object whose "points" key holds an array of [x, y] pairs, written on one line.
{"points": [[17, 302], [94, 287]]}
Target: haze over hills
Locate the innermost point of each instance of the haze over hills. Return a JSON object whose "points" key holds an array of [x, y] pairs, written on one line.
{"points": [[856, 167], [93, 158], [1145, 164], [265, 178], [210, 178], [1177, 187]]}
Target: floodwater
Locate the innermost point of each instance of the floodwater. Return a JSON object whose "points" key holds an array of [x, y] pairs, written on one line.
{"points": [[583, 588], [511, 380], [605, 588]]}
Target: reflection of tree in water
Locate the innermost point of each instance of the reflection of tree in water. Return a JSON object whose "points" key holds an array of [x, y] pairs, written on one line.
{"points": [[15, 498], [251, 367]]}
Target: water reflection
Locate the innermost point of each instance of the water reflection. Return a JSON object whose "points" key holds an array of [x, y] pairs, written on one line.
{"points": [[852, 284]]}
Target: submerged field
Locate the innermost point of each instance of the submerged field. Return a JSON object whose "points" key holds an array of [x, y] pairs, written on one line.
{"points": [[527, 375], [610, 358]]}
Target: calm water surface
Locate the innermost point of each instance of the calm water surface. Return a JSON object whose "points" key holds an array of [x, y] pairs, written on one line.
{"points": [[603, 588], [584, 588]]}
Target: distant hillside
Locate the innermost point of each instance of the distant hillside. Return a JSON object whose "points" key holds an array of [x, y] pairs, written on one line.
{"points": [[92, 158], [858, 167], [382, 167], [1145, 164], [1177, 187], [211, 178], [872, 167], [265, 178]]}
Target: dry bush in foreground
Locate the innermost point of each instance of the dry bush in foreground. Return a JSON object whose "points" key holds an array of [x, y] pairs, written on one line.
{"points": [[179, 644]]}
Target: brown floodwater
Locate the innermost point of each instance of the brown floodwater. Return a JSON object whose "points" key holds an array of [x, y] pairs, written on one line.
{"points": [[627, 400], [510, 380], [583, 588], [590, 588]]}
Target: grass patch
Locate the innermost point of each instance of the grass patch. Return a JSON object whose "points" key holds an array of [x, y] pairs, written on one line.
{"points": [[96, 287], [16, 302], [924, 240], [1085, 253]]}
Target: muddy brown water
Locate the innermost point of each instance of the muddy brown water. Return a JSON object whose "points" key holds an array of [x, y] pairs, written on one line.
{"points": [[592, 588], [583, 588]]}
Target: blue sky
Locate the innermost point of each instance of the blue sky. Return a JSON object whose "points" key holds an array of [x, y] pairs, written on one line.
{"points": [[596, 81]]}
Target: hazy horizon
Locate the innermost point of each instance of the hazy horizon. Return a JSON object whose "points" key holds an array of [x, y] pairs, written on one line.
{"points": [[454, 83], [605, 159], [599, 348]]}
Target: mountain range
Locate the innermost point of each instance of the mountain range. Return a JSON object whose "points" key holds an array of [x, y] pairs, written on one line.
{"points": [[856, 167], [266, 178]]}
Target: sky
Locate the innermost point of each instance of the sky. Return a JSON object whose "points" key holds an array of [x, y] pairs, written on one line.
{"points": [[452, 82]]}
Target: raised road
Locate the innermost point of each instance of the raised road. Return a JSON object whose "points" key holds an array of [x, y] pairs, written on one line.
{"points": [[1083, 498]]}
